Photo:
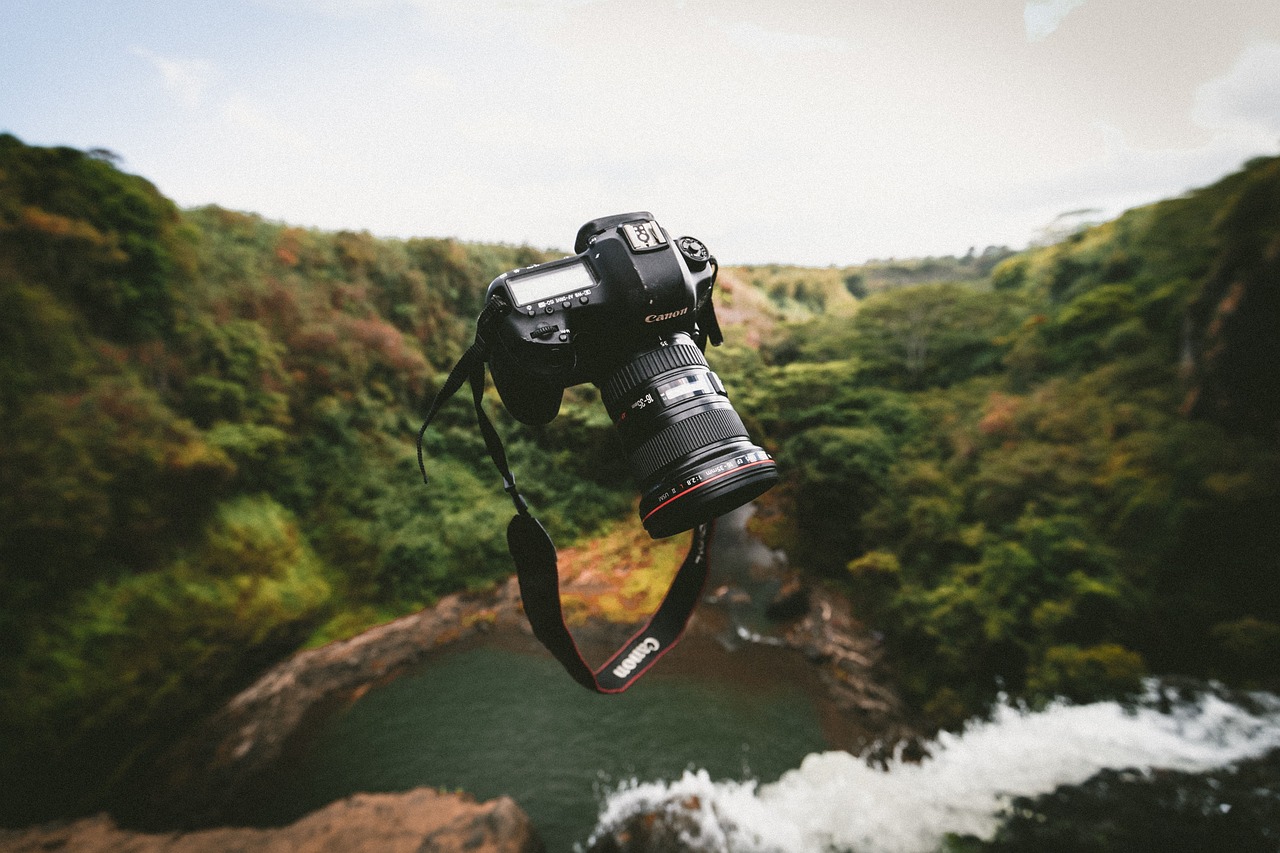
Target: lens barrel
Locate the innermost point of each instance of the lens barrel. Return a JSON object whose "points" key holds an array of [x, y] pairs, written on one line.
{"points": [[688, 448]]}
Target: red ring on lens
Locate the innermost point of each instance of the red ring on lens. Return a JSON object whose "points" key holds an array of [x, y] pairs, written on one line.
{"points": [[691, 489]]}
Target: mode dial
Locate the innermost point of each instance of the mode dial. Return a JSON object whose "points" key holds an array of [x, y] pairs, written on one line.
{"points": [[695, 252]]}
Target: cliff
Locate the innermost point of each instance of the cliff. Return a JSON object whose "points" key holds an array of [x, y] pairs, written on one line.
{"points": [[219, 759], [607, 593], [417, 821], [1231, 325]]}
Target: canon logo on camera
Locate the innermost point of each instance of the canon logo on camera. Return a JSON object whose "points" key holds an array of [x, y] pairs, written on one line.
{"points": [[670, 315], [647, 647], [548, 327]]}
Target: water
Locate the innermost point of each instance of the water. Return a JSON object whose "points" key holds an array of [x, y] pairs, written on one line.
{"points": [[502, 718], [736, 737], [494, 721], [834, 801], [745, 575]]}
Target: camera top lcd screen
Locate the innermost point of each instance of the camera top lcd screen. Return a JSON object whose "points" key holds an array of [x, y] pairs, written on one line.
{"points": [[537, 286]]}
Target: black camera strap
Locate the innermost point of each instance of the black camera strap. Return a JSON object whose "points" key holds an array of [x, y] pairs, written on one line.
{"points": [[536, 564]]}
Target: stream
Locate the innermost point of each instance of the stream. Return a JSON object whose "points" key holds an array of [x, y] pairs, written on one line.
{"points": [[499, 716], [732, 732]]}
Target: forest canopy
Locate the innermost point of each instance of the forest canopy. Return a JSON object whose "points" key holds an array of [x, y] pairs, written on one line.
{"points": [[1047, 473], [209, 460], [1062, 478]]}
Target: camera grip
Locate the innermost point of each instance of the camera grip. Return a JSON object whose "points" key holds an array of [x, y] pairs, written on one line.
{"points": [[531, 400]]}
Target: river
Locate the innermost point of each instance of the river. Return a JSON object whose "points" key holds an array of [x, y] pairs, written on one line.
{"points": [[742, 730], [493, 721], [834, 801], [499, 716]]}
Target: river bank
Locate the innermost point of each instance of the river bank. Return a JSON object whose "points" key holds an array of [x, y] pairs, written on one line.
{"points": [[771, 724], [408, 822], [821, 653], [1184, 769]]}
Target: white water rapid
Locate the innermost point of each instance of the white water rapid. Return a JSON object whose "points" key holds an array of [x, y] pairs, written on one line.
{"points": [[834, 801]]}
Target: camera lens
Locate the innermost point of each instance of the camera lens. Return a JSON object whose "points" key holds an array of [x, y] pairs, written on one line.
{"points": [[687, 447]]}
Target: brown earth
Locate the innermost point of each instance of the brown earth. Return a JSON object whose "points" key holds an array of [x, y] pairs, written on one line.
{"points": [[823, 651], [417, 821], [217, 763]]}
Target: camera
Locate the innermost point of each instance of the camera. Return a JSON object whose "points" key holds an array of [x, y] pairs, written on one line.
{"points": [[631, 312]]}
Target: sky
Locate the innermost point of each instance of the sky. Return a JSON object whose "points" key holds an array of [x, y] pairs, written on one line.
{"points": [[815, 133]]}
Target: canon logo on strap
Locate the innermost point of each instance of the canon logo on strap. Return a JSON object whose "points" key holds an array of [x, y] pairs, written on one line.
{"points": [[658, 318], [647, 647]]}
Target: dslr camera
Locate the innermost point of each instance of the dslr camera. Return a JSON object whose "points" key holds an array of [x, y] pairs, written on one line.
{"points": [[631, 312]]}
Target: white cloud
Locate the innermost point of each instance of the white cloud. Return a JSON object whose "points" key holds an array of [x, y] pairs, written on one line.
{"points": [[268, 130], [1245, 100], [1241, 112], [187, 79], [248, 123], [816, 133], [1042, 17], [758, 39]]}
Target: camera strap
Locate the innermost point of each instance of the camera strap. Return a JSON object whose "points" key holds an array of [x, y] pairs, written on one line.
{"points": [[536, 563]]}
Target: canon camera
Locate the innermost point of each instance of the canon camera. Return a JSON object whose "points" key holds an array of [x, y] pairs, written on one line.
{"points": [[632, 313]]}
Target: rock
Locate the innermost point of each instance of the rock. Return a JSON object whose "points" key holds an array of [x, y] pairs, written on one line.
{"points": [[417, 821], [222, 757], [848, 658], [672, 827], [791, 601]]}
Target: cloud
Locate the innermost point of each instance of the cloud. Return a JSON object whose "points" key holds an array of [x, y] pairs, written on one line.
{"points": [[1245, 100], [267, 129], [818, 133], [1239, 112], [250, 121], [187, 79], [1043, 16], [768, 41]]}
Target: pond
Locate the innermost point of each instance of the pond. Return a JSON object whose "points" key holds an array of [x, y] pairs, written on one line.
{"points": [[499, 716], [493, 721]]}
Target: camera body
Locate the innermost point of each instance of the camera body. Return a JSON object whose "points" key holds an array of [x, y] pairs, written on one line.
{"points": [[580, 318], [632, 313]]}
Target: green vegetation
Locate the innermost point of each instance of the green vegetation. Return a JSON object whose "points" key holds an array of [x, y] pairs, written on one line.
{"points": [[209, 462], [1046, 473], [1057, 479], [799, 292]]}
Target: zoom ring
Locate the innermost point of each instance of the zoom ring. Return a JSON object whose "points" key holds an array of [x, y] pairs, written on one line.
{"points": [[679, 439], [643, 368]]}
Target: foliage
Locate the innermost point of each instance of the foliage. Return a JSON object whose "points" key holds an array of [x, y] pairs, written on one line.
{"points": [[806, 293], [932, 334], [1041, 474], [620, 576], [208, 458], [130, 658], [1004, 474], [107, 242]]}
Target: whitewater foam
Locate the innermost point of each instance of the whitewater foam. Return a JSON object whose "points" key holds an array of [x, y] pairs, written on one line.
{"points": [[834, 800]]}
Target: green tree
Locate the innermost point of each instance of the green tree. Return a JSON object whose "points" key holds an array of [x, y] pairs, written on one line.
{"points": [[834, 475], [106, 241], [914, 337]]}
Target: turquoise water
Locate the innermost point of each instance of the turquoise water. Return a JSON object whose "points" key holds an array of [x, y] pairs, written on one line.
{"points": [[493, 721]]}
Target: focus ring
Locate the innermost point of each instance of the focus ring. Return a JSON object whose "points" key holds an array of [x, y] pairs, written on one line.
{"points": [[643, 368], [677, 440]]}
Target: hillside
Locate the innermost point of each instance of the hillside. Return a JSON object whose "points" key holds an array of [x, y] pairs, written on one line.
{"points": [[209, 456], [1047, 473], [1061, 478]]}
